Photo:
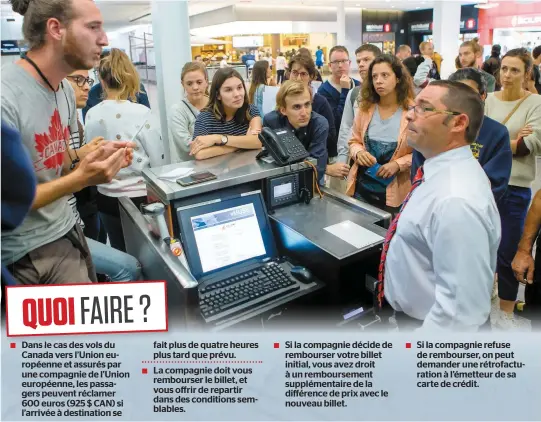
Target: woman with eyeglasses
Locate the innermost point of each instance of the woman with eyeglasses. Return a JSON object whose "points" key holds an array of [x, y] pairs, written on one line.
{"points": [[85, 200], [109, 262], [119, 117], [302, 68], [520, 112], [379, 150], [261, 77]]}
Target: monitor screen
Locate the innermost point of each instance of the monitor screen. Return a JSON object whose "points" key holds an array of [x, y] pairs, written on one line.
{"points": [[283, 190], [226, 237], [220, 234]]}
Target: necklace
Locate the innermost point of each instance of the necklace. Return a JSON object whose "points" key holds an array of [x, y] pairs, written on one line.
{"points": [[42, 76]]}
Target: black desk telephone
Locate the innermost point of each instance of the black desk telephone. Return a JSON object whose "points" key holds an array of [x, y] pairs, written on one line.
{"points": [[283, 146]]}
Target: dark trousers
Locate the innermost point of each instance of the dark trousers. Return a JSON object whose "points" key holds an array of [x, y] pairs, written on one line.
{"points": [[108, 207], [94, 228], [532, 294], [280, 76], [513, 207], [379, 201]]}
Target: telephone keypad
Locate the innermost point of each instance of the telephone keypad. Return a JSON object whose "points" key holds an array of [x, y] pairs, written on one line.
{"points": [[293, 146]]}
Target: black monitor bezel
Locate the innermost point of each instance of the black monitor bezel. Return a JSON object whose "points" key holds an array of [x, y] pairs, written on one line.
{"points": [[184, 216]]}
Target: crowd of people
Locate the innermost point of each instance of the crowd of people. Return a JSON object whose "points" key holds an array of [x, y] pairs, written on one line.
{"points": [[452, 160]]}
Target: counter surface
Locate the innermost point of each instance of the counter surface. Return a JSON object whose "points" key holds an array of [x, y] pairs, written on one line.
{"points": [[231, 170], [310, 222]]}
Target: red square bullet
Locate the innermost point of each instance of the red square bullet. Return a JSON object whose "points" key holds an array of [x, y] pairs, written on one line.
{"points": [[13, 345], [144, 371], [408, 345], [276, 345]]}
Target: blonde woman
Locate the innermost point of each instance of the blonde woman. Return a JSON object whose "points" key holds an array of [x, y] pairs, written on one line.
{"points": [[118, 117], [194, 79]]}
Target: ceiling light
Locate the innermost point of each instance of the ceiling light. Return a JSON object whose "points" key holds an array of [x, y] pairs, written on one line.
{"points": [[358, 4]]}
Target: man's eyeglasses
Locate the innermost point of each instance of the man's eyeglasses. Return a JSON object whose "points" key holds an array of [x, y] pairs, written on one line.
{"points": [[421, 110], [339, 62], [81, 81], [303, 75]]}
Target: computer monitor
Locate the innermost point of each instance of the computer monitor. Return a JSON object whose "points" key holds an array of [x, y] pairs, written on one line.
{"points": [[220, 234]]}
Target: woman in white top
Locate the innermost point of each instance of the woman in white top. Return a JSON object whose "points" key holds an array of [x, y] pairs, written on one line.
{"points": [[195, 82], [520, 112], [268, 57], [118, 118], [281, 65]]}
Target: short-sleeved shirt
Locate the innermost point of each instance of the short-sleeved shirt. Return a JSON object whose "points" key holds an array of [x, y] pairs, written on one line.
{"points": [[207, 124], [45, 124]]}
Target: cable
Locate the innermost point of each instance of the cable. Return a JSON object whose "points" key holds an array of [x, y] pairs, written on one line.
{"points": [[315, 180], [44, 78]]}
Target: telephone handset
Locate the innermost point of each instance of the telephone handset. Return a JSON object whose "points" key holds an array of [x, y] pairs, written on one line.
{"points": [[283, 146]]}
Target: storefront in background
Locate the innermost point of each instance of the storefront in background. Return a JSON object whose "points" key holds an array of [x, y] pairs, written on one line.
{"points": [[380, 35], [383, 28], [511, 25], [235, 46], [422, 31], [420, 25]]}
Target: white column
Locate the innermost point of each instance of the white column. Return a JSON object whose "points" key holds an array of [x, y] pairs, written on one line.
{"points": [[172, 47], [341, 23], [446, 31], [354, 33]]}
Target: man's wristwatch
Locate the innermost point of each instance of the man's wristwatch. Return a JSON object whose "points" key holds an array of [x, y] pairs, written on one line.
{"points": [[225, 139]]}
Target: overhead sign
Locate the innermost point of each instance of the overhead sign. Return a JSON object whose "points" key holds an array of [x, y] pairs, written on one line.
{"points": [[374, 28], [526, 20], [468, 24], [421, 27], [377, 27], [249, 41]]}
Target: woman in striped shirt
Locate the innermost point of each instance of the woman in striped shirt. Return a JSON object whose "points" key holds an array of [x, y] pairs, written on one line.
{"points": [[228, 123]]}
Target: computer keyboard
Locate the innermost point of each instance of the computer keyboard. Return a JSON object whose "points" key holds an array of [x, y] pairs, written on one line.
{"points": [[254, 287]]}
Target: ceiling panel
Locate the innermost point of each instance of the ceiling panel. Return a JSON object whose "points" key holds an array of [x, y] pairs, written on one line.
{"points": [[118, 13]]}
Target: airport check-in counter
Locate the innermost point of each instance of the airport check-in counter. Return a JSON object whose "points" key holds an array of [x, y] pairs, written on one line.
{"points": [[337, 238]]}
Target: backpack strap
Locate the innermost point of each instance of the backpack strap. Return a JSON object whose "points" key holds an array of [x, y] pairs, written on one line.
{"points": [[354, 95]]}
